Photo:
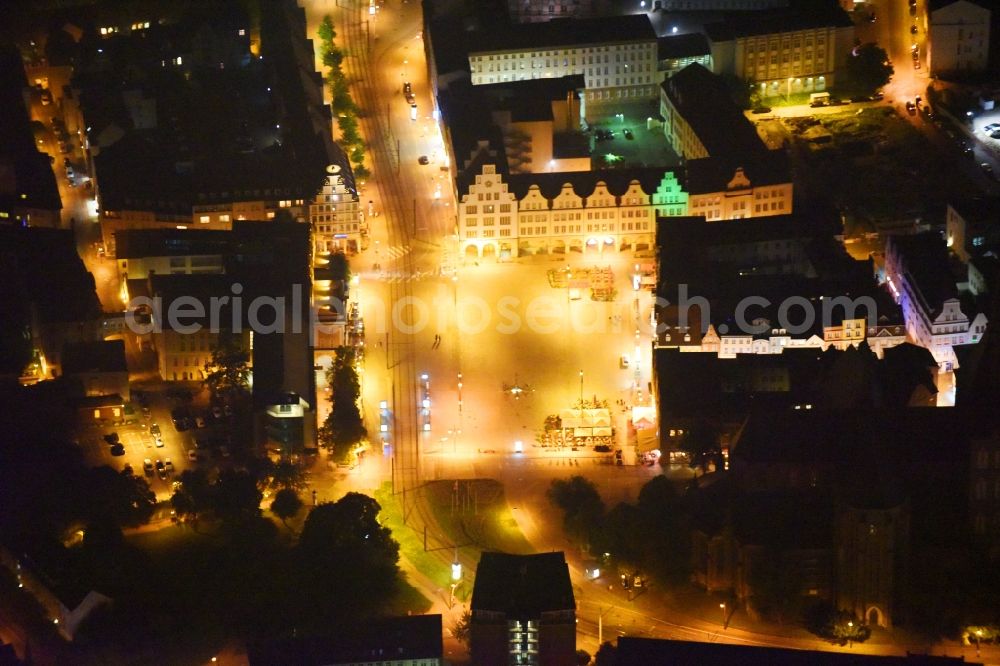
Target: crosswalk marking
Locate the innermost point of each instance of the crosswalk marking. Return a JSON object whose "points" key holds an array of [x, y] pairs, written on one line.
{"points": [[396, 251]]}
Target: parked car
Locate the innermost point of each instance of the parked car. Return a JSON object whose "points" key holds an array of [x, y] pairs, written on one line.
{"points": [[628, 134], [155, 430], [992, 127], [161, 471], [911, 108], [227, 409], [147, 467], [987, 168], [423, 160], [913, 29], [127, 469], [118, 450], [111, 438], [192, 455], [199, 421], [168, 464], [216, 412], [224, 451]]}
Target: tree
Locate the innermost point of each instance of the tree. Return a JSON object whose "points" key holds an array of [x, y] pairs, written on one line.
{"points": [[868, 68], [287, 474], [837, 626], [286, 504], [235, 496], [229, 369], [460, 628], [581, 504], [361, 172], [325, 30], [606, 655], [193, 495], [582, 658], [109, 495], [358, 154], [332, 58], [343, 428], [346, 562]]}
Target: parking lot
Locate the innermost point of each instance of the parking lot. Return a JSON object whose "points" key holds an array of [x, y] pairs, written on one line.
{"points": [[175, 445]]}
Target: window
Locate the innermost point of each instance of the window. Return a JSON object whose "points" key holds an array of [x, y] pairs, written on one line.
{"points": [[204, 219], [224, 217]]}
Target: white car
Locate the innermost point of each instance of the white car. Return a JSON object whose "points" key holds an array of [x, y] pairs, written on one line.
{"points": [[169, 465], [992, 127]]}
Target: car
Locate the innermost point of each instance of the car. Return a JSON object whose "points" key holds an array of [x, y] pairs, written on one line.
{"points": [[118, 450], [816, 104], [155, 430], [227, 409], [877, 97], [623, 361], [911, 108], [987, 168], [146, 414], [913, 29], [995, 134], [992, 127], [127, 469], [216, 412], [413, 111], [46, 97], [224, 451], [168, 465], [161, 471], [872, 18], [859, 98], [147, 467], [199, 421], [761, 109], [111, 438], [628, 134], [423, 160], [408, 94], [913, 10], [602, 448], [192, 455], [159, 442]]}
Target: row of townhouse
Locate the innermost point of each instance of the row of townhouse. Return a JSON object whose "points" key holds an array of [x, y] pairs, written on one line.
{"points": [[501, 215], [918, 274]]}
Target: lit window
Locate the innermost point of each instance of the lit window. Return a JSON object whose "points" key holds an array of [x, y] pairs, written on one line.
{"points": [[204, 219]]}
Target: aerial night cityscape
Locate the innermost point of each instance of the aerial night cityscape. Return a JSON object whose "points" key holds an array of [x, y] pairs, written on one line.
{"points": [[499, 332]]}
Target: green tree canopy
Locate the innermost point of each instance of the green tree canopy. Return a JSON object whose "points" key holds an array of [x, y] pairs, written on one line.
{"points": [[325, 30], [286, 504], [347, 561], [581, 505], [868, 68], [343, 428], [229, 369]]}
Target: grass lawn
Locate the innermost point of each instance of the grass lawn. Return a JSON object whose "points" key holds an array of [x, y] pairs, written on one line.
{"points": [[877, 163], [476, 515], [411, 542]]}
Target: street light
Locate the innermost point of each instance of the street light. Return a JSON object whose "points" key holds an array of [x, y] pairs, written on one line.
{"points": [[581, 389], [722, 607]]}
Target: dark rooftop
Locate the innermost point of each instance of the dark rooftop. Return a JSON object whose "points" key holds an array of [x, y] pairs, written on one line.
{"points": [[520, 585], [682, 46], [924, 259], [138, 243], [407, 639], [704, 101], [800, 15], [50, 273], [23, 169], [565, 32], [96, 356], [645, 651], [713, 174]]}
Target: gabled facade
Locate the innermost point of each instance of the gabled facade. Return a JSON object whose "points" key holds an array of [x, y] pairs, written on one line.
{"points": [[335, 214], [916, 269], [959, 38], [493, 222]]}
